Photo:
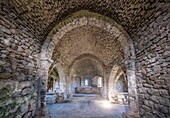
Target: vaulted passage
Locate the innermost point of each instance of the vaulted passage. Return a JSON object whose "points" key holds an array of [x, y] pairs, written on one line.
{"points": [[84, 58]]}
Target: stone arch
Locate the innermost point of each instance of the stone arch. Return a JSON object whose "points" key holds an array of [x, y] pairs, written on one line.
{"points": [[120, 73], [77, 80], [119, 86], [86, 55], [88, 18], [77, 60], [61, 75], [96, 20], [123, 80], [111, 81]]}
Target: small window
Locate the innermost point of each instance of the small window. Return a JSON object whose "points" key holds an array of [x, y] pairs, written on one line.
{"points": [[99, 82], [86, 82]]}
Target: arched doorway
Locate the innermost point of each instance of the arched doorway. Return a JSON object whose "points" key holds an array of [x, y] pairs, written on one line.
{"points": [[121, 84], [118, 85], [53, 80], [56, 87], [56, 71]]}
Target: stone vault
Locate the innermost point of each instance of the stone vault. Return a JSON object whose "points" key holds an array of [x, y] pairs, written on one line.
{"points": [[35, 35]]}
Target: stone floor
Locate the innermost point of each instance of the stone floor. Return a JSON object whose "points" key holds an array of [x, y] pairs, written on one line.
{"points": [[88, 106]]}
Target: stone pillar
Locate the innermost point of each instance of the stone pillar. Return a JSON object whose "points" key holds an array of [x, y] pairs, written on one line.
{"points": [[105, 84], [67, 84], [130, 58], [42, 88], [132, 90]]}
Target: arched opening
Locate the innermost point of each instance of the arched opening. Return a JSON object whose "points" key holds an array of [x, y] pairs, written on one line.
{"points": [[31, 27], [56, 86], [121, 84], [56, 71], [53, 80], [118, 85], [121, 87], [88, 70], [121, 51]]}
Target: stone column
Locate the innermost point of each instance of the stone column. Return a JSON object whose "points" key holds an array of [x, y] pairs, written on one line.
{"points": [[105, 84], [67, 84], [131, 76], [132, 90], [42, 88]]}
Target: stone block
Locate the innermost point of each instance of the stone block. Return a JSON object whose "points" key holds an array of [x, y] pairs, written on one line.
{"points": [[16, 94], [163, 92], [26, 91], [150, 115], [147, 109], [21, 77], [27, 115]]}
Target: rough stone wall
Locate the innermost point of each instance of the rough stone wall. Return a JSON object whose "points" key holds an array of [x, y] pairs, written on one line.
{"points": [[18, 48], [40, 16], [152, 46], [18, 68]]}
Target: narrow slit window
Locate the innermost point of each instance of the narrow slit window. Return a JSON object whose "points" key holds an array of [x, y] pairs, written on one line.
{"points": [[99, 82], [86, 82]]}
